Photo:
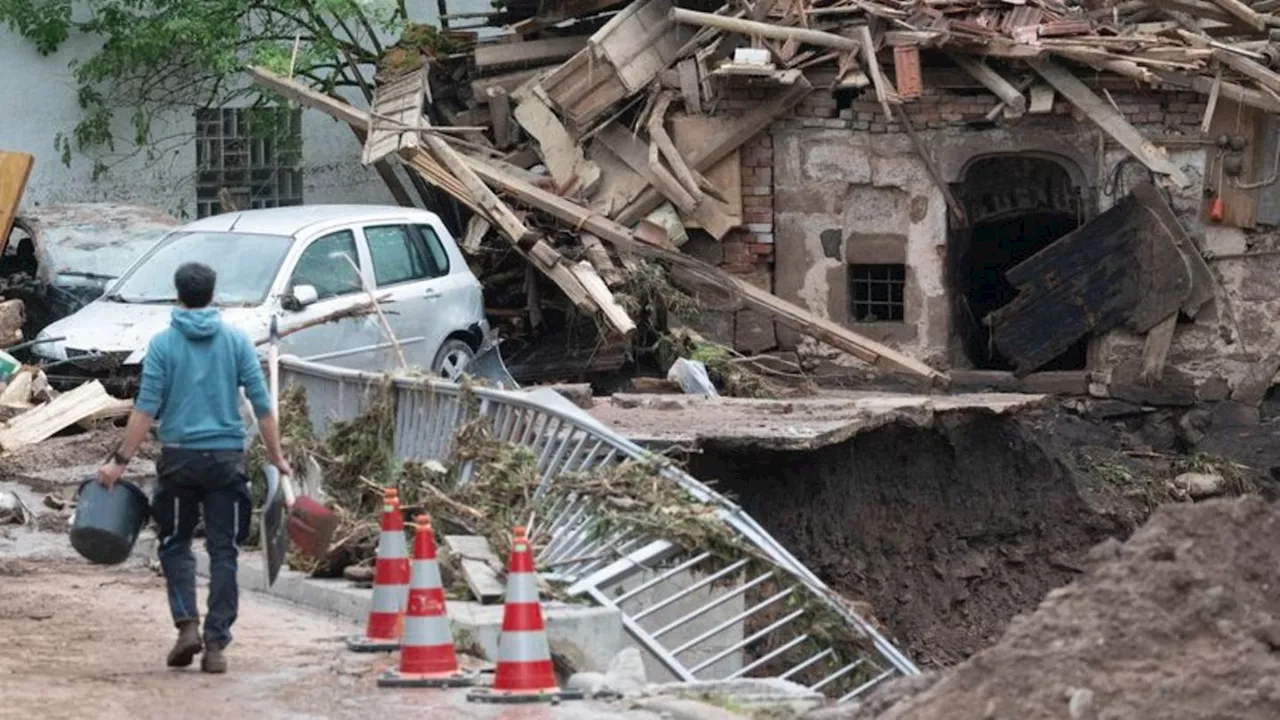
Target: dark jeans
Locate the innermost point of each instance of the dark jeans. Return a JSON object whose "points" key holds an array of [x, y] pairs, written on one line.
{"points": [[213, 482]]}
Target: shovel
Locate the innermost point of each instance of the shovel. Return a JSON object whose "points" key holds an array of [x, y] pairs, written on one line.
{"points": [[285, 516]]}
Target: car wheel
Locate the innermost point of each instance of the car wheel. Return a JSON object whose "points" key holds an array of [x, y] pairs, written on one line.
{"points": [[452, 359]]}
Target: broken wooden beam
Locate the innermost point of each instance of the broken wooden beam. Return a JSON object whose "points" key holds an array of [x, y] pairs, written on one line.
{"points": [[530, 52], [761, 29], [561, 154], [736, 133], [478, 564], [1108, 119], [993, 81], [63, 411], [1243, 13], [878, 80]]}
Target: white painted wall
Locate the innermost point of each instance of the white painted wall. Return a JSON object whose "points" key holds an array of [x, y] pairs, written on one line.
{"points": [[40, 93]]}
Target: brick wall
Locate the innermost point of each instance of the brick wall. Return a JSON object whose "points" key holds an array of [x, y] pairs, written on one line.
{"points": [[750, 248], [1149, 110]]}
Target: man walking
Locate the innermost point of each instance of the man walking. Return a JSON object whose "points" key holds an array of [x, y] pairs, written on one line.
{"points": [[191, 381]]}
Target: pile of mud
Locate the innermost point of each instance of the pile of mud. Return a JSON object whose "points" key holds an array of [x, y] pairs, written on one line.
{"points": [[947, 531], [1180, 622]]}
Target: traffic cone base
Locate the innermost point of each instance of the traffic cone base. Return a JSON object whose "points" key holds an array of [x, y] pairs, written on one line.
{"points": [[390, 585], [503, 697]]}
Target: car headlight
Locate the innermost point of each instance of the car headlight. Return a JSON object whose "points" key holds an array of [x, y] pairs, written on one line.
{"points": [[137, 356], [46, 347]]}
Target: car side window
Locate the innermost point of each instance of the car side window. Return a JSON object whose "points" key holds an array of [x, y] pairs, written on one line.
{"points": [[323, 266], [436, 255], [398, 255]]}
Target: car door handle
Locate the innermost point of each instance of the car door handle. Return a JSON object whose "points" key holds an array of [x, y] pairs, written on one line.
{"points": [[431, 294]]}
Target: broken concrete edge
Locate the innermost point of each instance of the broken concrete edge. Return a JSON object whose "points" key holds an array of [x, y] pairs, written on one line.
{"points": [[922, 416], [586, 636]]}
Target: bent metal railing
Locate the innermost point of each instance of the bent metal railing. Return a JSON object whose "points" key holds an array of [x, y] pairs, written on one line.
{"points": [[700, 617]]}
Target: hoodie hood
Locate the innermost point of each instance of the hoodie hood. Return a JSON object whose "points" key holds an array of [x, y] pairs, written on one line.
{"points": [[199, 324]]}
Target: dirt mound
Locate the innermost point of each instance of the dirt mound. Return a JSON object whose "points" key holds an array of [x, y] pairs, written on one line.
{"points": [[947, 531], [1182, 621]]}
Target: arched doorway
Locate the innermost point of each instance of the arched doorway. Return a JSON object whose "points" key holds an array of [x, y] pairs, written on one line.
{"points": [[1015, 206]]}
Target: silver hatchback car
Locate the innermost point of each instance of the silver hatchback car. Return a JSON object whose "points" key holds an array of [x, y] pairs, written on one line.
{"points": [[295, 263]]}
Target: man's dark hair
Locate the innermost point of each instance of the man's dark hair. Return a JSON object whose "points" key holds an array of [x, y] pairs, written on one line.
{"points": [[194, 282]]}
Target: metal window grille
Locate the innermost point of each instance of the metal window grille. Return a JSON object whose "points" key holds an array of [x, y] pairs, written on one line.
{"points": [[876, 292], [255, 153]]}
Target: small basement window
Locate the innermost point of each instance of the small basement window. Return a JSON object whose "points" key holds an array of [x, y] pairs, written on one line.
{"points": [[876, 292]]}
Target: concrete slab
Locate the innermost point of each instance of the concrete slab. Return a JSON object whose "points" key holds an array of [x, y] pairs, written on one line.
{"points": [[587, 636], [792, 424]]}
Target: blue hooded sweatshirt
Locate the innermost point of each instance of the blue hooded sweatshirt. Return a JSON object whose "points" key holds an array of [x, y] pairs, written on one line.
{"points": [[191, 380]]}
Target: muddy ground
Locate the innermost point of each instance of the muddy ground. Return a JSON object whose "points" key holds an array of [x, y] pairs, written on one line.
{"points": [[82, 641], [949, 531], [1179, 623]]}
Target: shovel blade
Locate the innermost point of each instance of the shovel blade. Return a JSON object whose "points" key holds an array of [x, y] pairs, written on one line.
{"points": [[311, 526], [275, 532]]}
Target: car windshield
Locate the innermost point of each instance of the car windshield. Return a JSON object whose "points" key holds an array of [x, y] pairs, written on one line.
{"points": [[89, 250], [246, 264]]}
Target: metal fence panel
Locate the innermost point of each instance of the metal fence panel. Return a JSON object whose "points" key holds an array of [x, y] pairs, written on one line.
{"points": [[698, 620]]}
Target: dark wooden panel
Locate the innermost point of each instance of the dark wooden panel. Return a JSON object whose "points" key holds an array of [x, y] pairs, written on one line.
{"points": [[1122, 268]]}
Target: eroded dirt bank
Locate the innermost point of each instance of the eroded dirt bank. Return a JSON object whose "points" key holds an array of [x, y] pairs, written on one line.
{"points": [[1179, 623], [947, 531]]}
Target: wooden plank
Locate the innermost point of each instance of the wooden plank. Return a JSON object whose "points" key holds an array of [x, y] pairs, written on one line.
{"points": [[734, 133], [479, 566], [763, 30], [508, 83], [500, 115], [603, 298], [560, 152], [41, 423], [1203, 280], [993, 81], [538, 52], [1243, 13], [883, 96], [477, 228], [1255, 71], [1155, 349], [1211, 107], [690, 89], [600, 260], [15, 169], [662, 141], [1108, 119], [635, 153], [397, 106]]}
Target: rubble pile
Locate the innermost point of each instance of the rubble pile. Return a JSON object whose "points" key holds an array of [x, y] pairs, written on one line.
{"points": [[1178, 622], [585, 138]]}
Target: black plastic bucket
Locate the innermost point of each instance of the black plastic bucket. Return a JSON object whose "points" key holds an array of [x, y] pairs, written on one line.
{"points": [[107, 522]]}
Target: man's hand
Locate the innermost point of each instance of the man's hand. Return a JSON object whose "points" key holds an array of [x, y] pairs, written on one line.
{"points": [[283, 466], [108, 474]]}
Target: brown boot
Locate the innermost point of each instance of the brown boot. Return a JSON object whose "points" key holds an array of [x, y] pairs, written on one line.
{"points": [[188, 644], [213, 661]]}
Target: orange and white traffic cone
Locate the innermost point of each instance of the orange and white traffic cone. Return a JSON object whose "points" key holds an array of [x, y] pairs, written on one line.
{"points": [[524, 673], [390, 583], [427, 656]]}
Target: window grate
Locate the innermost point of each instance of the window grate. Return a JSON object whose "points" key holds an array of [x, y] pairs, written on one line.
{"points": [[876, 293], [255, 153]]}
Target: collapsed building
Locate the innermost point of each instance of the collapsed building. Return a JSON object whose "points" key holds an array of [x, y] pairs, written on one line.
{"points": [[1034, 196]]}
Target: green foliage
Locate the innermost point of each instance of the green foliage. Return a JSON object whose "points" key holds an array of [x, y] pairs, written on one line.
{"points": [[158, 56]]}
